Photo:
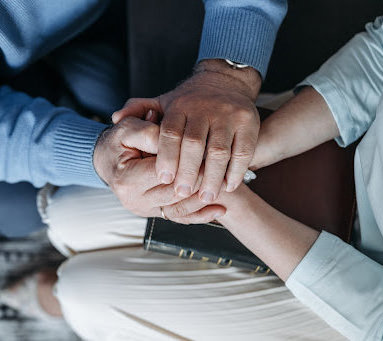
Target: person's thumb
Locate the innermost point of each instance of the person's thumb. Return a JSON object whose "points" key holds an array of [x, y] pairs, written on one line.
{"points": [[137, 107], [140, 134]]}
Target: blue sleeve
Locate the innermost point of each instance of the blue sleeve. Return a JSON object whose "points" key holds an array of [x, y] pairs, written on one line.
{"points": [[241, 30], [351, 82], [41, 143], [31, 29]]}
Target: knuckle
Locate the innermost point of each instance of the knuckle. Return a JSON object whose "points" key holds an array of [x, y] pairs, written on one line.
{"points": [[189, 172], [228, 107], [151, 135], [242, 155], [179, 211], [119, 131], [171, 133], [219, 152], [177, 103], [153, 129], [130, 101], [123, 127], [244, 115], [195, 141]]}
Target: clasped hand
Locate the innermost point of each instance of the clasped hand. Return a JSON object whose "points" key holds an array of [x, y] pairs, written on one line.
{"points": [[125, 159], [209, 124], [210, 117]]}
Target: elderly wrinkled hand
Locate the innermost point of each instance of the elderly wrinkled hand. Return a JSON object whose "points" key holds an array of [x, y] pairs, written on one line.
{"points": [[125, 159], [211, 118]]}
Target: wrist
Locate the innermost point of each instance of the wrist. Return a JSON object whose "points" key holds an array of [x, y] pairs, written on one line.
{"points": [[247, 80], [270, 148], [74, 140], [99, 156], [239, 206]]}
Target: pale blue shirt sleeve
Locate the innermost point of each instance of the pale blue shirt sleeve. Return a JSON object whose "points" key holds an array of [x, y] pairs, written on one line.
{"points": [[339, 283], [351, 82], [243, 31], [343, 286]]}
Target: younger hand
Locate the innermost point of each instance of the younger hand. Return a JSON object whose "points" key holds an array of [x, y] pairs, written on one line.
{"points": [[227, 207]]}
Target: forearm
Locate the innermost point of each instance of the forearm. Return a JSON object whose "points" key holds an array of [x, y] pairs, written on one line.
{"points": [[301, 124], [42, 143], [348, 90], [351, 82], [278, 240], [329, 276]]}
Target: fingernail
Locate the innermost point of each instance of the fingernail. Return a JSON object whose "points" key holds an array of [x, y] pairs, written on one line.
{"points": [[149, 115], [230, 187], [207, 197], [166, 177], [184, 190]]}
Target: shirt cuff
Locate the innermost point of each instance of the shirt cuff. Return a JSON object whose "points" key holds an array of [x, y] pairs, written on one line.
{"points": [[337, 104], [239, 34], [335, 280], [310, 268], [74, 142]]}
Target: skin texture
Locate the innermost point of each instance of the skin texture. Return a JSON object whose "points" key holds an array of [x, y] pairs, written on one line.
{"points": [[284, 134], [118, 161], [124, 159], [211, 114], [278, 240], [300, 124]]}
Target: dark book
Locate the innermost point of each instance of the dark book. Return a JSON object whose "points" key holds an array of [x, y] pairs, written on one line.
{"points": [[204, 242], [315, 188]]}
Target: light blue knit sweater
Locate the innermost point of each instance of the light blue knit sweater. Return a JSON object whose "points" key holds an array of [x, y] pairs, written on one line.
{"points": [[41, 143]]}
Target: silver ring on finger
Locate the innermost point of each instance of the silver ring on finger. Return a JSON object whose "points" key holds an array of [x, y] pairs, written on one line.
{"points": [[163, 213]]}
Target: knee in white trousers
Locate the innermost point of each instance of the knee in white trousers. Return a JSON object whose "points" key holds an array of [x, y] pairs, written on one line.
{"points": [[111, 289]]}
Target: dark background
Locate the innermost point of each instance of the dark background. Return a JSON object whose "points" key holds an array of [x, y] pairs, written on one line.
{"points": [[163, 40], [160, 40]]}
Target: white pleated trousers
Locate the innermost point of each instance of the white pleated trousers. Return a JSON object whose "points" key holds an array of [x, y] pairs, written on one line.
{"points": [[111, 289]]}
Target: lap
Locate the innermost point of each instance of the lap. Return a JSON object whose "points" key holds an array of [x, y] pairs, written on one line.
{"points": [[129, 293], [84, 219], [123, 292]]}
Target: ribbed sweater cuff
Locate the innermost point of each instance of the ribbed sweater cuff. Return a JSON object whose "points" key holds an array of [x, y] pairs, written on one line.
{"points": [[74, 142], [239, 34]]}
